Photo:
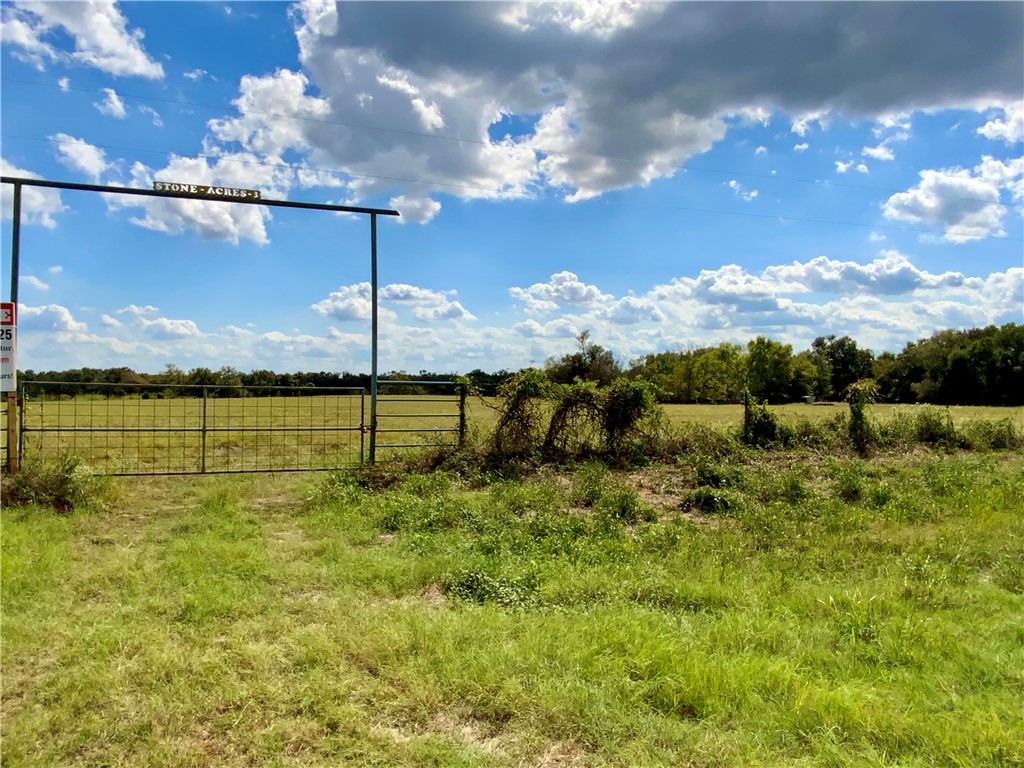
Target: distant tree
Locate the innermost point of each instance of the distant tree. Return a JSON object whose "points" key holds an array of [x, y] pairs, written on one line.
{"points": [[844, 360], [769, 369], [591, 362]]}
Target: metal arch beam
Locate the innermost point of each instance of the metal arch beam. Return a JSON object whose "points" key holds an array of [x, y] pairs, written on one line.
{"points": [[191, 196]]}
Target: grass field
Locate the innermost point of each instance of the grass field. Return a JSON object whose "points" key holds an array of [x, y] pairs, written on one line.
{"points": [[766, 611], [132, 435]]}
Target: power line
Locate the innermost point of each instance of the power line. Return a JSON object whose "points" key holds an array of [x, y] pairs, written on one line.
{"points": [[291, 167], [480, 142]]}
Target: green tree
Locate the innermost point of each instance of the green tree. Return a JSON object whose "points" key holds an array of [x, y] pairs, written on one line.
{"points": [[591, 362], [769, 369]]}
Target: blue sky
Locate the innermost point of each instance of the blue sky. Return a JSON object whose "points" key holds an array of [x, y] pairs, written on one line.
{"points": [[664, 176]]}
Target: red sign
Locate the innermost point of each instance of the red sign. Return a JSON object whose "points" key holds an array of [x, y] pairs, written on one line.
{"points": [[8, 346]]}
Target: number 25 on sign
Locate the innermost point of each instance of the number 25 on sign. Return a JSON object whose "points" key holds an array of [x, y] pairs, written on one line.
{"points": [[8, 339]]}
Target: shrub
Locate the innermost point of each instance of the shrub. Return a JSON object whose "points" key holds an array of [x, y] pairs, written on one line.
{"points": [[858, 395], [714, 500], [761, 429], [63, 483], [983, 435], [935, 427], [481, 587], [624, 506]]}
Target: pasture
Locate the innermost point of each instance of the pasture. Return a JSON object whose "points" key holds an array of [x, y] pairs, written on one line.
{"points": [[175, 435], [743, 608]]}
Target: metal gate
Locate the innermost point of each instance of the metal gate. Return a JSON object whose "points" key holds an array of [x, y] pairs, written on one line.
{"points": [[153, 429], [176, 429]]}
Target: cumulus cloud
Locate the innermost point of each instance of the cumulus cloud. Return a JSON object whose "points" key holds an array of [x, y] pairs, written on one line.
{"points": [[761, 150], [56, 269], [454, 71], [38, 205], [353, 302], [134, 309], [97, 29], [964, 202], [1009, 128], [842, 167], [111, 322], [33, 282], [112, 105], [211, 221], [195, 74], [64, 83], [166, 328], [802, 147], [880, 152], [80, 155], [49, 318], [564, 288]]}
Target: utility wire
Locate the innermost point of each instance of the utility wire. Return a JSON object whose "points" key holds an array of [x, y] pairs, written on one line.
{"points": [[480, 142], [333, 172]]}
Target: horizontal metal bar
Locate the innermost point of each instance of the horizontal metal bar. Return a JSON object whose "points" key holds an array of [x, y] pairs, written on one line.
{"points": [[382, 382], [435, 431], [190, 196], [418, 415], [399, 399], [200, 387], [416, 445], [226, 471], [190, 430]]}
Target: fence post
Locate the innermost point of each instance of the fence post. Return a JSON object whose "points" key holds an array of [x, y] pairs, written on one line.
{"points": [[13, 446], [202, 449], [462, 414]]}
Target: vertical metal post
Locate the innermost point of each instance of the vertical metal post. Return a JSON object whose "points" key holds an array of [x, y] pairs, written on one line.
{"points": [[202, 448], [373, 338], [15, 244], [13, 440], [362, 425], [462, 415]]}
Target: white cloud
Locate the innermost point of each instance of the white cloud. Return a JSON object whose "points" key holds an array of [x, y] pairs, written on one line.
{"points": [[195, 74], [97, 29], [742, 193], [56, 269], [876, 237], [1009, 128], [50, 317], [965, 203], [349, 302], [761, 150], [450, 310], [33, 282], [881, 152], [153, 115], [564, 288], [133, 309], [111, 322], [38, 205], [112, 105], [64, 84], [211, 221], [801, 147], [165, 328], [419, 210], [842, 167], [80, 155]]}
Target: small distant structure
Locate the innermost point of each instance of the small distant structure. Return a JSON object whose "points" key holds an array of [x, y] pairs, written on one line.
{"points": [[810, 399]]}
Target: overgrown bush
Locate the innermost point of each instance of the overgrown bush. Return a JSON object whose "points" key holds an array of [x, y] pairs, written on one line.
{"points": [[984, 435], [761, 428], [859, 395], [63, 483], [518, 431], [933, 426]]}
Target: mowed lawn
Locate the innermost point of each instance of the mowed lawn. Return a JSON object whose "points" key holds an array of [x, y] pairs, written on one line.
{"points": [[827, 612]]}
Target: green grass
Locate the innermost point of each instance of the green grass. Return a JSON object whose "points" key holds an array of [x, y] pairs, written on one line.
{"points": [[841, 613]]}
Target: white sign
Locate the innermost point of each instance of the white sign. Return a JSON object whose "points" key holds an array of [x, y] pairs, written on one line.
{"points": [[8, 346], [208, 190]]}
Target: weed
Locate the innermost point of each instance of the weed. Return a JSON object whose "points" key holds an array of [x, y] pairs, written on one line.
{"points": [[62, 483]]}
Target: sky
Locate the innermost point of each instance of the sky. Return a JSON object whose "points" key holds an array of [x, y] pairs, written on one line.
{"points": [[664, 176]]}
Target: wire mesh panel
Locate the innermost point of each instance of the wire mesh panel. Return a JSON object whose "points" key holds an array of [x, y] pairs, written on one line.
{"points": [[420, 414], [137, 429]]}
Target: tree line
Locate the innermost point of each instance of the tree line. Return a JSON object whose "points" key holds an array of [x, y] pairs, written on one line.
{"points": [[980, 366]]}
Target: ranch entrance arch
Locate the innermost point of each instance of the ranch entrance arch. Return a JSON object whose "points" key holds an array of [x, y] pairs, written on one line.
{"points": [[212, 194]]}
